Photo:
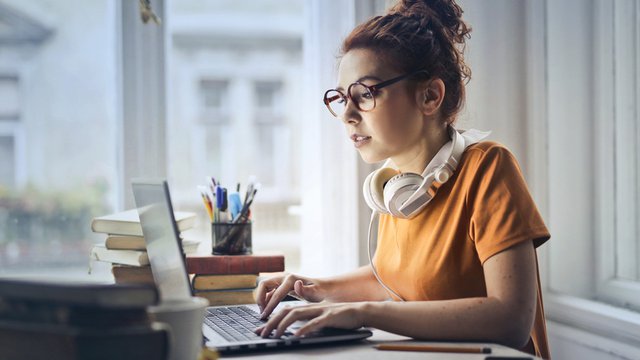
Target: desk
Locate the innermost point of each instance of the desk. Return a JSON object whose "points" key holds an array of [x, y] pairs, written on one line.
{"points": [[363, 350]]}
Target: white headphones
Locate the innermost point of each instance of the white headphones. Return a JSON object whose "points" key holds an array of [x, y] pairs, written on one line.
{"points": [[404, 195]]}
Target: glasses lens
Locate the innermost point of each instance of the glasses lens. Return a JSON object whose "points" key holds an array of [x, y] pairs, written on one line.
{"points": [[362, 97], [335, 102]]}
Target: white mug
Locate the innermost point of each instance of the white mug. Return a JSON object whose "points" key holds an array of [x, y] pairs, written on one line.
{"points": [[185, 318]]}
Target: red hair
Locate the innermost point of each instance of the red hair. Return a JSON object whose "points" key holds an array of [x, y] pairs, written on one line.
{"points": [[421, 35]]}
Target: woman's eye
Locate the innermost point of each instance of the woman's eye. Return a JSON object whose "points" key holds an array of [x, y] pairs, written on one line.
{"points": [[367, 96], [341, 101]]}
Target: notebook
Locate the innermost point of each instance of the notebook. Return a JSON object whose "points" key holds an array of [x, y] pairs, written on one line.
{"points": [[226, 328]]}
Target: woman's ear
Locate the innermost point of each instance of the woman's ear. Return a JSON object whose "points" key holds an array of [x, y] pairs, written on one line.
{"points": [[430, 96]]}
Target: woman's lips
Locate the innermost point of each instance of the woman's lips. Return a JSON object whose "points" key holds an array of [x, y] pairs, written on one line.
{"points": [[360, 140]]}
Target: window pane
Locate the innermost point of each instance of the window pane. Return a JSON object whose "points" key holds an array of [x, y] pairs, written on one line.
{"points": [[7, 161], [215, 100], [269, 96], [233, 69], [9, 99], [59, 156], [626, 140]]}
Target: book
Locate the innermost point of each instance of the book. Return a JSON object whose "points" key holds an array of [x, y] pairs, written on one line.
{"points": [[130, 242], [124, 274], [24, 340], [103, 296], [72, 320], [234, 264], [125, 242], [125, 257], [99, 252], [228, 297], [219, 282], [128, 223]]}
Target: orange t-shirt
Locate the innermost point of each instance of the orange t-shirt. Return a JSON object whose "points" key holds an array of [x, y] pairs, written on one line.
{"points": [[483, 209]]}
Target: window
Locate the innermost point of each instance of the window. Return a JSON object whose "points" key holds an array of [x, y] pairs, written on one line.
{"points": [[9, 98], [592, 137], [7, 161], [272, 135], [11, 153], [215, 100], [98, 103], [58, 145], [234, 70], [618, 138], [216, 130]]}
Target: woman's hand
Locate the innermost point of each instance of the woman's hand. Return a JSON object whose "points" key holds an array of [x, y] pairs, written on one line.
{"points": [[337, 315], [271, 291]]}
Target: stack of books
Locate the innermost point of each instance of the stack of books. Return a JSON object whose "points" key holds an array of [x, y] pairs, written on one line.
{"points": [[71, 321], [125, 248], [230, 279]]}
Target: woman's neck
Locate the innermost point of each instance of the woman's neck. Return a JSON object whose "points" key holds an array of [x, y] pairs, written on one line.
{"points": [[416, 159]]}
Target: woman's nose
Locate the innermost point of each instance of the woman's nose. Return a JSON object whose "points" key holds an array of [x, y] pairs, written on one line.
{"points": [[351, 114]]}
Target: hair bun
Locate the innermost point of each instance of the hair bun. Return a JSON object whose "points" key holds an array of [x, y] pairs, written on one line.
{"points": [[444, 14]]}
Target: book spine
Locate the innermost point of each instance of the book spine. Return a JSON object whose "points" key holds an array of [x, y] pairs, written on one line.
{"points": [[132, 274], [219, 282], [239, 264], [227, 297]]}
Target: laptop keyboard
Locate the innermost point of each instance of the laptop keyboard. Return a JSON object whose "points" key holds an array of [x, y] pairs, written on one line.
{"points": [[234, 323]]}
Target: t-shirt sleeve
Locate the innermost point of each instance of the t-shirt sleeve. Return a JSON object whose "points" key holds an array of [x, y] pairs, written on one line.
{"points": [[501, 208]]}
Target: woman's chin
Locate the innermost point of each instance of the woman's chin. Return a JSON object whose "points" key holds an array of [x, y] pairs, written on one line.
{"points": [[370, 158]]}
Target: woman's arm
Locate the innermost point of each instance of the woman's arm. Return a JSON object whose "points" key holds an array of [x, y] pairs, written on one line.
{"points": [[505, 316], [358, 285]]}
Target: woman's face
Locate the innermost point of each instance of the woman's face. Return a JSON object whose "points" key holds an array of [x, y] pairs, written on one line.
{"points": [[394, 128]]}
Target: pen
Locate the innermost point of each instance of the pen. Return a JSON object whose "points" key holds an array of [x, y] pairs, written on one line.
{"points": [[435, 348], [212, 184], [235, 206], [224, 208], [243, 216]]}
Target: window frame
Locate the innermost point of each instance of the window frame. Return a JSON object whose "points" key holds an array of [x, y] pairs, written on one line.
{"points": [[593, 315], [143, 111], [617, 97]]}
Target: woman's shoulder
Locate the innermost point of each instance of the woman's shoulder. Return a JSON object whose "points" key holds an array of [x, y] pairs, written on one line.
{"points": [[487, 149], [488, 156]]}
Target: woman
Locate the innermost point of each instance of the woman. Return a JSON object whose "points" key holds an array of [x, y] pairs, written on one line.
{"points": [[465, 262]]}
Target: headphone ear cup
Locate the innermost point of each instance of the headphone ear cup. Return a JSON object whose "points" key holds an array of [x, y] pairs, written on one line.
{"points": [[398, 190], [373, 189]]}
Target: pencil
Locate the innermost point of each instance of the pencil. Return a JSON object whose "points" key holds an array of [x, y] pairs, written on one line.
{"points": [[207, 205], [434, 348]]}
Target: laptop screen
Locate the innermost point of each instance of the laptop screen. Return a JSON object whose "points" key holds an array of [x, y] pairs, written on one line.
{"points": [[161, 236]]}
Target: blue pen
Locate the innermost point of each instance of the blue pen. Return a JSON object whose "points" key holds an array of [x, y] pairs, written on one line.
{"points": [[219, 201], [224, 205], [235, 204], [225, 202]]}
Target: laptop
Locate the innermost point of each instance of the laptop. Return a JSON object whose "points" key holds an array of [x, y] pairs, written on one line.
{"points": [[226, 328]]}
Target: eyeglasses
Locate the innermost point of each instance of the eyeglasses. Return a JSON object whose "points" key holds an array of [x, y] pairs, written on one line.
{"points": [[362, 96]]}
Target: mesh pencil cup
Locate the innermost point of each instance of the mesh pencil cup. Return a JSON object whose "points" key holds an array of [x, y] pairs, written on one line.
{"points": [[231, 238]]}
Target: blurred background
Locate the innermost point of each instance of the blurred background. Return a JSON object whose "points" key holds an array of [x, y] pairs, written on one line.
{"points": [[91, 97]]}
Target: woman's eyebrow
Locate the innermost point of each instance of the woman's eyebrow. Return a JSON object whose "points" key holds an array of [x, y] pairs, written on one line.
{"points": [[366, 77]]}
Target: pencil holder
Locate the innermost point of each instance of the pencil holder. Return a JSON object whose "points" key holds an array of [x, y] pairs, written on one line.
{"points": [[231, 238]]}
